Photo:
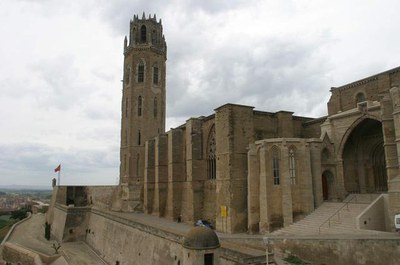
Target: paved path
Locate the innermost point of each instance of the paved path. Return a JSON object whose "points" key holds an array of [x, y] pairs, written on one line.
{"points": [[30, 235]]}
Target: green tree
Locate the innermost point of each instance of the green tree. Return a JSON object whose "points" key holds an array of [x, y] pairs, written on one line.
{"points": [[19, 214]]}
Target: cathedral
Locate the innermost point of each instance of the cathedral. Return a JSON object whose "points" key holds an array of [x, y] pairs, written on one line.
{"points": [[252, 174], [247, 170]]}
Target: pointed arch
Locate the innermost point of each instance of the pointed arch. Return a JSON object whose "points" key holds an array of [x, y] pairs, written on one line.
{"points": [[351, 128], [211, 154]]}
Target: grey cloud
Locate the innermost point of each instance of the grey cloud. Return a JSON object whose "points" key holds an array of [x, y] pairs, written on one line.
{"points": [[36, 162], [287, 69]]}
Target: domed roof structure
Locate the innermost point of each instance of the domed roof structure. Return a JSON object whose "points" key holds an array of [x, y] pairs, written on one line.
{"points": [[200, 237]]}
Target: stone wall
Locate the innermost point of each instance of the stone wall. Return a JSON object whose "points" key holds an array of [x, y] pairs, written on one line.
{"points": [[344, 98], [70, 223], [117, 241], [100, 196], [375, 216], [340, 251]]}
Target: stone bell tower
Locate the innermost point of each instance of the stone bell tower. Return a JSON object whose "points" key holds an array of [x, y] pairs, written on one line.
{"points": [[143, 104]]}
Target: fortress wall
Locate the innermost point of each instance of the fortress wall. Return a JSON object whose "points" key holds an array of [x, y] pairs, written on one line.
{"points": [[58, 223], [340, 251], [130, 244], [100, 196]]}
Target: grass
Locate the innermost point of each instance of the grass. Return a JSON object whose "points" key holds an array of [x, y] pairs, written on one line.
{"points": [[295, 260]]}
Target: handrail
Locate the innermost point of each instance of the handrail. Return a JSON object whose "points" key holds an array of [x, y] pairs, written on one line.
{"points": [[337, 212]]}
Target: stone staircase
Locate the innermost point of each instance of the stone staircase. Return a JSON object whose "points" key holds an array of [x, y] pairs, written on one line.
{"points": [[331, 218]]}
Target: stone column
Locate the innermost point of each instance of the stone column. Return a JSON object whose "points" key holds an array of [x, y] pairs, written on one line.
{"points": [[265, 184], [316, 171], [253, 191], [192, 199], [287, 204], [234, 132], [176, 173], [307, 181], [341, 190], [161, 174], [149, 175]]}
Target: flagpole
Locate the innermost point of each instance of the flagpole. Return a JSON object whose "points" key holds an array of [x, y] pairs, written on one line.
{"points": [[59, 177]]}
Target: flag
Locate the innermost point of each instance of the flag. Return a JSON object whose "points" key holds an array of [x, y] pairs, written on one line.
{"points": [[58, 169]]}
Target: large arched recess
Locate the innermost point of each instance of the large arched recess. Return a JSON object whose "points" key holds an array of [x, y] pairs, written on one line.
{"points": [[364, 168]]}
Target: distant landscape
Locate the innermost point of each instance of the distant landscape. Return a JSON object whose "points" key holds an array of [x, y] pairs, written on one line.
{"points": [[24, 187]]}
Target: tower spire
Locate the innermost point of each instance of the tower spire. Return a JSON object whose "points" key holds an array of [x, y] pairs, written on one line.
{"points": [[143, 104]]}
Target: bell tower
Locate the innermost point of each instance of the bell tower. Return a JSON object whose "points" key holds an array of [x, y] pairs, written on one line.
{"points": [[143, 103]]}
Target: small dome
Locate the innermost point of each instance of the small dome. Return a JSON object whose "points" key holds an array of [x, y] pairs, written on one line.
{"points": [[200, 237]]}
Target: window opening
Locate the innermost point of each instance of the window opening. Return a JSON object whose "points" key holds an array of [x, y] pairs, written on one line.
{"points": [[275, 167], [155, 75], [141, 73], [208, 259], [360, 97], [140, 106], [211, 161], [139, 137], [143, 34]]}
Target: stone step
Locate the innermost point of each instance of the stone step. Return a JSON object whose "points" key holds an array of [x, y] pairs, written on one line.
{"points": [[342, 217]]}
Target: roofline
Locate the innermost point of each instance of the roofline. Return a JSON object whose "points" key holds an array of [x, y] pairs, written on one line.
{"points": [[365, 80]]}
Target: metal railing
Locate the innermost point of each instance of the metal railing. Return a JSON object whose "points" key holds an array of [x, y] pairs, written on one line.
{"points": [[346, 204]]}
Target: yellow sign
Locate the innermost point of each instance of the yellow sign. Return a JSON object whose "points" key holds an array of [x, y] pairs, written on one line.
{"points": [[224, 211]]}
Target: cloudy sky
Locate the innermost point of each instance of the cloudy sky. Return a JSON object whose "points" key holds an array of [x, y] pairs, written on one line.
{"points": [[61, 69]]}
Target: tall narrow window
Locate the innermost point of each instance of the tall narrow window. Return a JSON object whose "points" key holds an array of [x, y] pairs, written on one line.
{"points": [[155, 109], [143, 34], [275, 166], [155, 75], [211, 161], [140, 70], [139, 106], [292, 167], [138, 138]]}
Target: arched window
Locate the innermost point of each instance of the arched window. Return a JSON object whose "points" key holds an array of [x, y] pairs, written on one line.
{"points": [[360, 97], [140, 72], [275, 166], [155, 75], [155, 109], [211, 161], [292, 166], [143, 34], [139, 107]]}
